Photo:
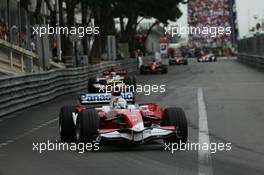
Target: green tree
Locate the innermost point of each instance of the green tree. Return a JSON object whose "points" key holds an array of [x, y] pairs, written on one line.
{"points": [[162, 11], [103, 13]]}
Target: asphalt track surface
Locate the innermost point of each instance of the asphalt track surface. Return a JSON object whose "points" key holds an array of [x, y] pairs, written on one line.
{"points": [[229, 95]]}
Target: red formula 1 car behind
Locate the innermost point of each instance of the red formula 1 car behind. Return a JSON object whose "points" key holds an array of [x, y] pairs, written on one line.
{"points": [[120, 121], [154, 67], [178, 61]]}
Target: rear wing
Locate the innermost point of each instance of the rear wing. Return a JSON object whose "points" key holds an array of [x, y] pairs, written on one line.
{"points": [[96, 98]]}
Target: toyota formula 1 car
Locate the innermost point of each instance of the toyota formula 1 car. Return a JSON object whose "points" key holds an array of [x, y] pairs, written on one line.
{"points": [[154, 68], [121, 121], [207, 58], [111, 78]]}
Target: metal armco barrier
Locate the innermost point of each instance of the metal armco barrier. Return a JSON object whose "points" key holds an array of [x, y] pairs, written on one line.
{"points": [[251, 51], [20, 92]]}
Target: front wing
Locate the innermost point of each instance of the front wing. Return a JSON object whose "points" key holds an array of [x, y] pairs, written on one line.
{"points": [[147, 134]]}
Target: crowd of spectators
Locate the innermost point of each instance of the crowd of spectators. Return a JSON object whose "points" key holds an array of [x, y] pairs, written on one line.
{"points": [[17, 37], [3, 30], [209, 13]]}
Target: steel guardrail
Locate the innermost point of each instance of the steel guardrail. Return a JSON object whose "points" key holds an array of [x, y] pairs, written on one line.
{"points": [[20, 92], [251, 51]]}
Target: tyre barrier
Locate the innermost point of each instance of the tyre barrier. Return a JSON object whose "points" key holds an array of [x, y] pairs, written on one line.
{"points": [[23, 91]]}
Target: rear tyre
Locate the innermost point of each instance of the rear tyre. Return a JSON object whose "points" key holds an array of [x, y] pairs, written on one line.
{"points": [[66, 124], [87, 126], [128, 80], [175, 117], [185, 62], [215, 59], [142, 69], [91, 88], [131, 81], [164, 69], [134, 81]]}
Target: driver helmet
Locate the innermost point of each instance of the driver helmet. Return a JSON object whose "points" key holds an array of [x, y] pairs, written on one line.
{"points": [[113, 74], [120, 103]]}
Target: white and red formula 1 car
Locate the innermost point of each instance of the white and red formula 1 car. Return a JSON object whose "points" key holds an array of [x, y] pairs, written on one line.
{"points": [[207, 58], [111, 77], [120, 121]]}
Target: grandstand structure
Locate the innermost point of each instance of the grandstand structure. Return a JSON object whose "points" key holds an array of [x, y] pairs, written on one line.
{"points": [[22, 52]]}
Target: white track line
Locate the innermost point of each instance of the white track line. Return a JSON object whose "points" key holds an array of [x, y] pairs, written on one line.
{"points": [[204, 157], [28, 132]]}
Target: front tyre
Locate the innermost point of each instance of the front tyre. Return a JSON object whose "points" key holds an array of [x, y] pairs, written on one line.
{"points": [[66, 124], [175, 117], [87, 126]]}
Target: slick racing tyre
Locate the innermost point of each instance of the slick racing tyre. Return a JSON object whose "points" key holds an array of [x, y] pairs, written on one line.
{"points": [[87, 126], [175, 117], [164, 69], [215, 58], [142, 69], [185, 62], [91, 88], [130, 80], [134, 80], [66, 124]]}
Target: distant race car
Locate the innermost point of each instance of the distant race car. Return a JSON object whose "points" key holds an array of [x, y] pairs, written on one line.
{"points": [[117, 70], [178, 61], [154, 68], [207, 58], [110, 78], [121, 121]]}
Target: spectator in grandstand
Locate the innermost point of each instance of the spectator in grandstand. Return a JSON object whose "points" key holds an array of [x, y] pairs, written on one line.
{"points": [[22, 40], [33, 46], [3, 30], [1, 34], [16, 37]]}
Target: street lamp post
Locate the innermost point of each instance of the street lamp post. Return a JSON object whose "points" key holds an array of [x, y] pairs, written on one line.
{"points": [[58, 35]]}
